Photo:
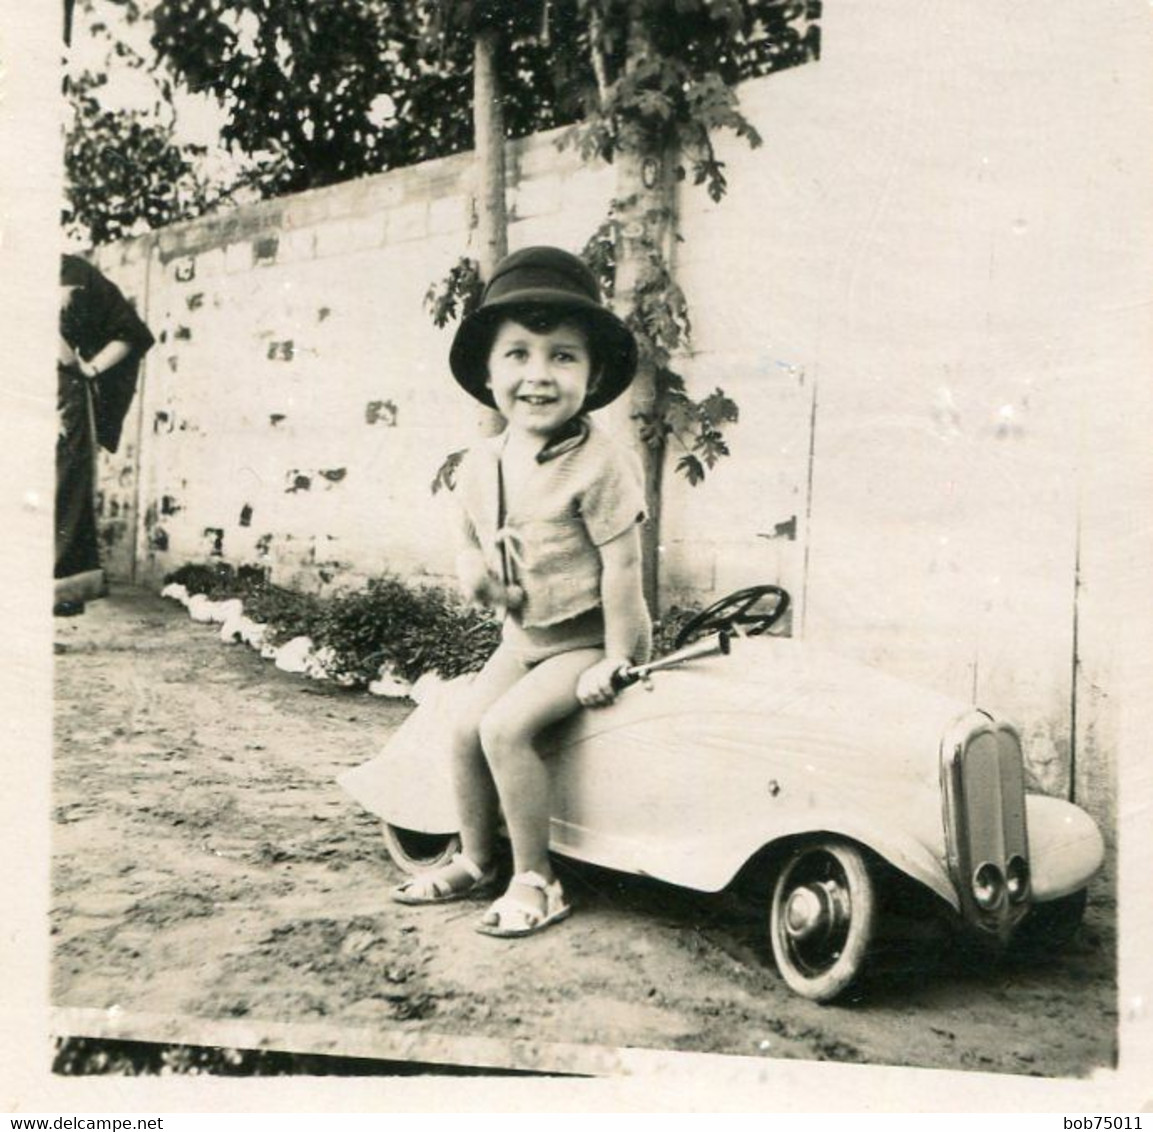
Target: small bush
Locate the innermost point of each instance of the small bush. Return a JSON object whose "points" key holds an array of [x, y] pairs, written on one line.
{"points": [[412, 629], [286, 613], [459, 639], [218, 579], [666, 628]]}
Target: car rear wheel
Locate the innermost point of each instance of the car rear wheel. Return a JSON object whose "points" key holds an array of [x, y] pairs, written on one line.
{"points": [[823, 919], [415, 852]]}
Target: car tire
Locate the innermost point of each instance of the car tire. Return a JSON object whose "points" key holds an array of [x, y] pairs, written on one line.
{"points": [[415, 852], [1050, 926], [822, 920]]}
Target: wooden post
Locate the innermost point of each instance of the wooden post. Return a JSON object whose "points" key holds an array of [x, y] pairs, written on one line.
{"points": [[646, 196], [491, 216]]}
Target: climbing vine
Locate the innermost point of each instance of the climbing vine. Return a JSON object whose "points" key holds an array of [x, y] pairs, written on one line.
{"points": [[656, 81]]}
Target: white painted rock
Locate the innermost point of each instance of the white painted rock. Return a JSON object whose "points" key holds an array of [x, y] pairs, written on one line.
{"points": [[200, 608], [231, 628], [389, 684], [322, 665], [315, 663], [227, 610], [252, 632], [293, 656]]}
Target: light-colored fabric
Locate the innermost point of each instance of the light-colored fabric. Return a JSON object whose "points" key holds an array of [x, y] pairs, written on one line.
{"points": [[577, 500], [533, 643]]}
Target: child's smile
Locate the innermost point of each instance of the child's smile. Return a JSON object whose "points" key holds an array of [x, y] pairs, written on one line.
{"points": [[539, 381]]}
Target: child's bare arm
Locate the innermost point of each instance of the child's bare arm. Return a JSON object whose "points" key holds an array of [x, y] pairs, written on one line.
{"points": [[628, 628]]}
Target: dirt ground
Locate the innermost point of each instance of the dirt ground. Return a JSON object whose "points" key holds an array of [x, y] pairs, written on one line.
{"points": [[207, 867]]}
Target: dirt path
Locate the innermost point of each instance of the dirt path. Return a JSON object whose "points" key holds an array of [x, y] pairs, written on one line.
{"points": [[206, 866]]}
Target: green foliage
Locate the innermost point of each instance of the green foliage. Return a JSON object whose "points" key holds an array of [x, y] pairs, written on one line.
{"points": [[445, 478], [286, 613], [666, 628], [337, 89], [660, 321], [665, 79], [413, 629], [330, 90], [218, 580], [123, 170], [457, 294]]}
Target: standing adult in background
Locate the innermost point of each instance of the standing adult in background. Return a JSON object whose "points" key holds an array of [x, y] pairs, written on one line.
{"points": [[102, 340]]}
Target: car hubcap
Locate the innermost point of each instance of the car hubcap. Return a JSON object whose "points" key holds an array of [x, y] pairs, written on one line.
{"points": [[815, 911]]}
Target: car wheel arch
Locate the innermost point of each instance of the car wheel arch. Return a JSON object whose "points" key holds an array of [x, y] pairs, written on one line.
{"points": [[905, 855]]}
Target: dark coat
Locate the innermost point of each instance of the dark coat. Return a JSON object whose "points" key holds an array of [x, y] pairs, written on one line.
{"points": [[98, 314]]}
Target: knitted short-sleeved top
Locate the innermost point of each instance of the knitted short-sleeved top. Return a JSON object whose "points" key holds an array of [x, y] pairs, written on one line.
{"points": [[585, 492]]}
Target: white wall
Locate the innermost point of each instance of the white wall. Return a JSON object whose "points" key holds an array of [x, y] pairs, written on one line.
{"points": [[919, 291]]}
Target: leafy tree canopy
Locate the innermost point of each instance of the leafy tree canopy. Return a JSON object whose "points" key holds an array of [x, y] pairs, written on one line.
{"points": [[126, 167], [339, 88], [317, 92]]}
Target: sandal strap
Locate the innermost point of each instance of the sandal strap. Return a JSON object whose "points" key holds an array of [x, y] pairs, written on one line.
{"points": [[469, 865], [531, 879], [437, 882]]}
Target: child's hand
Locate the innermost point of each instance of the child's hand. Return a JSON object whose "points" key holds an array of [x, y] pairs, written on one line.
{"points": [[480, 585], [500, 597], [595, 685]]}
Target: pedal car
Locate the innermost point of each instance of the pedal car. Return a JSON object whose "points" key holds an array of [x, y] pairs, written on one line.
{"points": [[747, 754]]}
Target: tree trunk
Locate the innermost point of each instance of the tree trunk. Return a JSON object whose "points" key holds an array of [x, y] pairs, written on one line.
{"points": [[645, 181], [646, 196], [491, 213]]}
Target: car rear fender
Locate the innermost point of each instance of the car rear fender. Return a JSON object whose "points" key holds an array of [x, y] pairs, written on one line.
{"points": [[708, 863], [1065, 847], [409, 782]]}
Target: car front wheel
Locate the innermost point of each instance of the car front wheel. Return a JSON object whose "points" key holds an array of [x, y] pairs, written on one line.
{"points": [[823, 919], [1050, 926], [415, 852]]}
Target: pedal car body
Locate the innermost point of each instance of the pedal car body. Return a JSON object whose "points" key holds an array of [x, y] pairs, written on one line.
{"points": [[774, 756]]}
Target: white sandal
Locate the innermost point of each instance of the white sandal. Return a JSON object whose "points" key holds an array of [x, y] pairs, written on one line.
{"points": [[512, 916], [461, 879]]}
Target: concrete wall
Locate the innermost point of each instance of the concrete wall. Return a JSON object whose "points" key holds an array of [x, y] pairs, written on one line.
{"points": [[917, 291], [297, 406]]}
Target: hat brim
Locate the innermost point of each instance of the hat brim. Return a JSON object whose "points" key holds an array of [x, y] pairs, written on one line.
{"points": [[616, 346]]}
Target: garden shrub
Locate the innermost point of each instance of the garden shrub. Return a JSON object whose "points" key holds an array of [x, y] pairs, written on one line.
{"points": [[218, 580], [286, 613], [411, 629]]}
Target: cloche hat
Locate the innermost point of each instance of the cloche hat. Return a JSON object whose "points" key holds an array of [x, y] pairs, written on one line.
{"points": [[544, 276]]}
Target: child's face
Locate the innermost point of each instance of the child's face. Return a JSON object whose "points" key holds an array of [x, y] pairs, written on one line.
{"points": [[539, 381]]}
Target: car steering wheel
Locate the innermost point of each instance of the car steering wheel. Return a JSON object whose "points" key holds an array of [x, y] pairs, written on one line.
{"points": [[735, 613]]}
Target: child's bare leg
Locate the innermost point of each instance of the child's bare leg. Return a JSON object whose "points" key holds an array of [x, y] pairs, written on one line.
{"points": [[476, 798], [543, 695]]}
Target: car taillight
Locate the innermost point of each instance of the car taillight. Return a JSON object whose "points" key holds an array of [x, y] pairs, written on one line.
{"points": [[1017, 879], [988, 885]]}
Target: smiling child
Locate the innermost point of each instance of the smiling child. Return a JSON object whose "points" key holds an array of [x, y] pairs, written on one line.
{"points": [[549, 535]]}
